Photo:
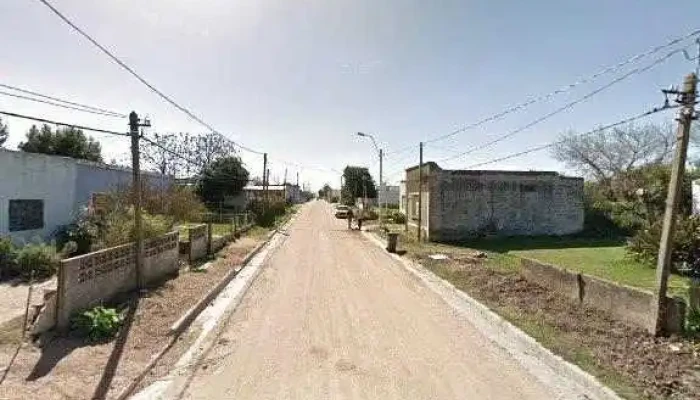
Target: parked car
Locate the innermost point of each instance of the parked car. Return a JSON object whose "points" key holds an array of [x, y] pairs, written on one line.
{"points": [[341, 212]]}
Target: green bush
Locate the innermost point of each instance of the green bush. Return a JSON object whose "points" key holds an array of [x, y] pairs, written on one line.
{"points": [[644, 246], [98, 323], [8, 258], [399, 218], [118, 227], [83, 232], [40, 258], [266, 216]]}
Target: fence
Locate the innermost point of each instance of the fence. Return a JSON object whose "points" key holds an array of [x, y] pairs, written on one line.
{"points": [[628, 304], [205, 239], [93, 278]]}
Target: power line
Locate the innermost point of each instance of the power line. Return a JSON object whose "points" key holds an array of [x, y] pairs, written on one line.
{"points": [[102, 110], [139, 77], [19, 96], [48, 121], [567, 106], [564, 89], [552, 144]]}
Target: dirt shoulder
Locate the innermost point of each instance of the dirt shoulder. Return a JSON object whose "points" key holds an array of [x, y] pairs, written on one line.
{"points": [[70, 367], [627, 359]]}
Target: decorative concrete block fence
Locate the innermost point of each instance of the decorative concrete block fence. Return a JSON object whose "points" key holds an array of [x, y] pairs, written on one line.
{"points": [[91, 279], [625, 303]]}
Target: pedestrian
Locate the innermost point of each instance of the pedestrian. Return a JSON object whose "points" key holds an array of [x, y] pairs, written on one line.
{"points": [[350, 218]]}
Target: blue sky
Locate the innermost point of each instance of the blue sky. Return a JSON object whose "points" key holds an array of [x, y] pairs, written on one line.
{"points": [[298, 78]]}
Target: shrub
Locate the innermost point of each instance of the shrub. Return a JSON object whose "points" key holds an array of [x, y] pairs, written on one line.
{"points": [[40, 258], [83, 232], [98, 323], [692, 326], [119, 227], [266, 216], [399, 218], [644, 246], [8, 257]]}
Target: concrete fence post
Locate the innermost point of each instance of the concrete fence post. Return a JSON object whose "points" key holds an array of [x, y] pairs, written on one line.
{"points": [[209, 239]]}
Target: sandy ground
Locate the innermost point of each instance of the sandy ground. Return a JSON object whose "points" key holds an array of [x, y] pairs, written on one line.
{"points": [[331, 316], [13, 298], [70, 367]]}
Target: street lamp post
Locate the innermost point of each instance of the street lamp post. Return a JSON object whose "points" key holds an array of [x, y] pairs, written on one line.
{"points": [[381, 166]]}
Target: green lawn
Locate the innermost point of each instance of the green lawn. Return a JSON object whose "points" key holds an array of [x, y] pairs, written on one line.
{"points": [[217, 230], [606, 259]]}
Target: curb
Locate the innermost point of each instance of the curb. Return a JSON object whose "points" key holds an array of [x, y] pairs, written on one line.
{"points": [[190, 315], [225, 302], [567, 379]]}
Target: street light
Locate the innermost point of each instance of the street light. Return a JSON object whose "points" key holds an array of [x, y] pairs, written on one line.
{"points": [[381, 183]]}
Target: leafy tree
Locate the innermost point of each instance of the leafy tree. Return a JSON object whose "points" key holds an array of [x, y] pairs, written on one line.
{"points": [[69, 142], [226, 176], [325, 192], [4, 133], [605, 154], [357, 183]]}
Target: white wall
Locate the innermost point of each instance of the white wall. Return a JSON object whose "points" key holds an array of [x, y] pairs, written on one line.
{"points": [[64, 184], [35, 176]]}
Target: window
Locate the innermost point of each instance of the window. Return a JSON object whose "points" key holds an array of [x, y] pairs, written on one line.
{"points": [[25, 215]]}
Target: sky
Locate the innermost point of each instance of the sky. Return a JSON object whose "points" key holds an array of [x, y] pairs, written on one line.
{"points": [[298, 79]]}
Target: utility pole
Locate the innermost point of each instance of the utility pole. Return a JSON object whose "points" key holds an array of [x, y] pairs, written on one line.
{"points": [[380, 197], [285, 177], [686, 98], [134, 124], [264, 180], [420, 192], [298, 179]]}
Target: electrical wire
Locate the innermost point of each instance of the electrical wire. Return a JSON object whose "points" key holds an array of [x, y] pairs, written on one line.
{"points": [[139, 77], [19, 96], [552, 144], [97, 109], [48, 121], [567, 106], [564, 89]]}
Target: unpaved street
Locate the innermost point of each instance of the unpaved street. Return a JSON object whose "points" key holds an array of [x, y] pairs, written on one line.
{"points": [[333, 317]]}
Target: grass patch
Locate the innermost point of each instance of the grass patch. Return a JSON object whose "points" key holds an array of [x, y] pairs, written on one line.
{"points": [[603, 258]]}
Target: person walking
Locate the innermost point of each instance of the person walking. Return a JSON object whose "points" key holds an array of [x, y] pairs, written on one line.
{"points": [[350, 215]]}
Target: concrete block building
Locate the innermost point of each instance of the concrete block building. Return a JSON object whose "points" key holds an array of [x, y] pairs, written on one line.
{"points": [[460, 204], [40, 193]]}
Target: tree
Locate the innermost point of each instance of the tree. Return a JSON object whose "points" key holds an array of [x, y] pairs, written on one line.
{"points": [[225, 176], [4, 133], [604, 154], [168, 156], [325, 192], [358, 182], [205, 149], [69, 142]]}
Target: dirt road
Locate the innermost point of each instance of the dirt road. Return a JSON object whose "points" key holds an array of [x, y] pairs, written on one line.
{"points": [[332, 317]]}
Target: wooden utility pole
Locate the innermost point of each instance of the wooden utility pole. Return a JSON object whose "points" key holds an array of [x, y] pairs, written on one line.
{"points": [[686, 98], [285, 177], [420, 192], [136, 194], [264, 181], [380, 197]]}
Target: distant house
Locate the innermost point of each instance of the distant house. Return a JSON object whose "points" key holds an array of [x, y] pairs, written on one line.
{"points": [[288, 193], [458, 204], [40, 193], [390, 195]]}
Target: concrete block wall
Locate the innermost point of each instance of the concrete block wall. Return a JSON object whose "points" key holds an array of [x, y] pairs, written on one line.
{"points": [[90, 279], [464, 204], [628, 304]]}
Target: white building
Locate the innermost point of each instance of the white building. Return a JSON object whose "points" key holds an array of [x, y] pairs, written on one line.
{"points": [[41, 193]]}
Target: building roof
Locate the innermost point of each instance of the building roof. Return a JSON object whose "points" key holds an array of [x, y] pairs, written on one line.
{"points": [[480, 172], [253, 188]]}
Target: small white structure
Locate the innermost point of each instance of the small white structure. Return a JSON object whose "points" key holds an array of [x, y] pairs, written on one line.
{"points": [[402, 197], [696, 196], [41, 193]]}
